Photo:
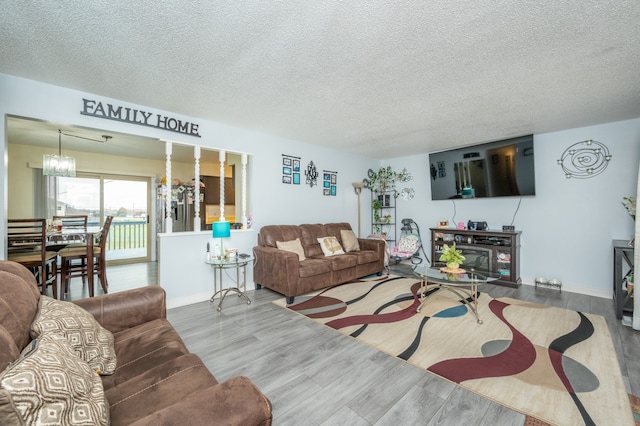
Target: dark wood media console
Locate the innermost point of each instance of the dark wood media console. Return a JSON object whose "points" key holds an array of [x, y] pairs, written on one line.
{"points": [[497, 252]]}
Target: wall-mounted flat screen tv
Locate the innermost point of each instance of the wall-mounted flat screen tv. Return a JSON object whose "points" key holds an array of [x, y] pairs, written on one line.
{"points": [[495, 169]]}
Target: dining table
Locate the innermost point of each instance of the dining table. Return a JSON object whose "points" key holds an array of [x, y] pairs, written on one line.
{"points": [[57, 236]]}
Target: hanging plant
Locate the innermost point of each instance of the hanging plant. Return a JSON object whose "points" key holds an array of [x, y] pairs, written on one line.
{"points": [[377, 205], [384, 180]]}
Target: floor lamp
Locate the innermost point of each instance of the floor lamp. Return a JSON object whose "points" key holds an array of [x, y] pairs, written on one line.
{"points": [[357, 187]]}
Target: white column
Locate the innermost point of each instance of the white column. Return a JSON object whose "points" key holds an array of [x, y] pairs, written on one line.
{"points": [[222, 160], [168, 223], [244, 191], [196, 189]]}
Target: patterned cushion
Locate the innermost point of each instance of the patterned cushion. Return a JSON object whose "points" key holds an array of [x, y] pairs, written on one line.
{"points": [[407, 246], [294, 246], [330, 246], [49, 384], [91, 342], [349, 240]]}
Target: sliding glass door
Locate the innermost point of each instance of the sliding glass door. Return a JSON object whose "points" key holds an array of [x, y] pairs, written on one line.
{"points": [[126, 198]]}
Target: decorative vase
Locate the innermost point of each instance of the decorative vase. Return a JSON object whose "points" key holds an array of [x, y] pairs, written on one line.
{"points": [[453, 266]]}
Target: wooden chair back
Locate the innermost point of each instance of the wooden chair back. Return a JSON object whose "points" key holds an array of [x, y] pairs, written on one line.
{"points": [[27, 244], [26, 235], [104, 234], [72, 222]]}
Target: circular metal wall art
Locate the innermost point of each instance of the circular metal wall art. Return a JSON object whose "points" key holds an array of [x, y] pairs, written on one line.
{"points": [[585, 159]]}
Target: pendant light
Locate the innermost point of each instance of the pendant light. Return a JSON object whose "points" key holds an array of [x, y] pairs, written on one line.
{"points": [[58, 165]]}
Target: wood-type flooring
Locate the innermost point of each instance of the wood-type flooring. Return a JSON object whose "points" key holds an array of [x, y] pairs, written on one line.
{"points": [[316, 376]]}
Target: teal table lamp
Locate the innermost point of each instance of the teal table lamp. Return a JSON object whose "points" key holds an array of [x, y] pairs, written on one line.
{"points": [[221, 230]]}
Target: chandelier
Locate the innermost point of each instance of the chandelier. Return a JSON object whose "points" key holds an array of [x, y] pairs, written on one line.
{"points": [[58, 165]]}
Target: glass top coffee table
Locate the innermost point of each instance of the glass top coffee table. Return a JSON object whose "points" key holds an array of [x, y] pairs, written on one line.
{"points": [[464, 285]]}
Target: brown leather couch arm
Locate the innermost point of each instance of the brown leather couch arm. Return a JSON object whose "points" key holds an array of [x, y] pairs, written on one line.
{"points": [[236, 401], [276, 269], [375, 245], [119, 311]]}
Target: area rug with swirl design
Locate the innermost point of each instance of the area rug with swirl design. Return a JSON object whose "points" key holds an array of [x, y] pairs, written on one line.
{"points": [[556, 365]]}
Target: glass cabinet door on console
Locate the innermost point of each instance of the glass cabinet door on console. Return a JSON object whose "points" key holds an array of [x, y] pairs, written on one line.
{"points": [[493, 252]]}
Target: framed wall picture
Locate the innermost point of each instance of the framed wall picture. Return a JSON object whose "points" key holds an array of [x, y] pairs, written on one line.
{"points": [[326, 191], [288, 164], [330, 182], [443, 224]]}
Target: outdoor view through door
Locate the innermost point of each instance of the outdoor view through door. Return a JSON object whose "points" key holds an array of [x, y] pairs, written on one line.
{"points": [[123, 197]]}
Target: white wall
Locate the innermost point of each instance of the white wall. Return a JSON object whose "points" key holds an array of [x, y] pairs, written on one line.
{"points": [[567, 227], [270, 201]]}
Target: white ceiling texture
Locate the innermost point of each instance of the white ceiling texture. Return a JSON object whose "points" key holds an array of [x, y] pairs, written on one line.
{"points": [[383, 78]]}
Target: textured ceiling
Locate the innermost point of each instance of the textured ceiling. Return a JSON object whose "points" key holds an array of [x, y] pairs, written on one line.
{"points": [[383, 78]]}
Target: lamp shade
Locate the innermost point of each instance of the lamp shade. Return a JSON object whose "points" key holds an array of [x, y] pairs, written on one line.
{"points": [[221, 229]]}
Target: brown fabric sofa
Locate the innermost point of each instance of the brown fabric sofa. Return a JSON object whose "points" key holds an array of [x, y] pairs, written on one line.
{"points": [[157, 381], [283, 272]]}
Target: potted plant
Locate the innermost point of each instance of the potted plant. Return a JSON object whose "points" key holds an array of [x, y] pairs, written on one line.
{"points": [[452, 257]]}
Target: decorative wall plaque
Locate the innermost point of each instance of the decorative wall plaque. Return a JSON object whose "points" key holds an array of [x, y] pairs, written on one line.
{"points": [[585, 159]]}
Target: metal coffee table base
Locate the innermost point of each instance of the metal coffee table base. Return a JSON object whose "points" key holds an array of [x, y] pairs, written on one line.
{"points": [[469, 291]]}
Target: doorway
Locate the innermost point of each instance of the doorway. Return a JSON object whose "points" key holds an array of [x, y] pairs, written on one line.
{"points": [[126, 198]]}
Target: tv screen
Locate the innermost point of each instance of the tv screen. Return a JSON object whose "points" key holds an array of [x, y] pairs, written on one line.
{"points": [[494, 169]]}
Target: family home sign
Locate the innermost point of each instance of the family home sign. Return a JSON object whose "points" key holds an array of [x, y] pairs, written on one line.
{"points": [[137, 116]]}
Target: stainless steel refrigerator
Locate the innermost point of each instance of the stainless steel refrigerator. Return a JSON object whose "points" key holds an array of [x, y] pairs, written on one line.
{"points": [[182, 207]]}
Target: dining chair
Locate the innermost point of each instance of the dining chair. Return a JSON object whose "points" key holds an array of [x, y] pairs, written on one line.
{"points": [[69, 223], [73, 222], [27, 244], [73, 260]]}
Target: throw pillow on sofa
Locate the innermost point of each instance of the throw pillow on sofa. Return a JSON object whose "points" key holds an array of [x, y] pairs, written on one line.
{"points": [[349, 240], [50, 384], [330, 246], [91, 342], [294, 246]]}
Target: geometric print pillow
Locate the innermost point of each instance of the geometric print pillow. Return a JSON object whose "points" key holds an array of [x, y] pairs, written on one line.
{"points": [[50, 385], [90, 341]]}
